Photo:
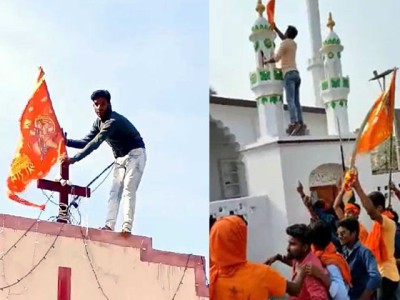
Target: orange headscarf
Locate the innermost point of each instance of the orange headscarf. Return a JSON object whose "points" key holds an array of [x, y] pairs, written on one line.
{"points": [[228, 246], [329, 256], [363, 233], [350, 207], [375, 241]]}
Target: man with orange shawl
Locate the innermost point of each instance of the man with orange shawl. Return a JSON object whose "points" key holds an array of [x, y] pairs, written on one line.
{"points": [[232, 276], [351, 210], [338, 279], [381, 240]]}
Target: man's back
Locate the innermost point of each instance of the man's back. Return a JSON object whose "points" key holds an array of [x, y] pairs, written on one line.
{"points": [[287, 55], [123, 136], [251, 282], [388, 268]]}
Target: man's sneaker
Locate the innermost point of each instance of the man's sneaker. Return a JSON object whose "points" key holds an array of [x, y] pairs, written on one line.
{"points": [[106, 228], [126, 230], [300, 129], [290, 129]]}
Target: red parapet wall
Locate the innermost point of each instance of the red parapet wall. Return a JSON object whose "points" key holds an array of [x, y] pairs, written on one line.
{"points": [[147, 253]]}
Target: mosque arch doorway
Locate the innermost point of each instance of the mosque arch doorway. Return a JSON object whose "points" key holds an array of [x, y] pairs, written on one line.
{"points": [[227, 171], [323, 180]]}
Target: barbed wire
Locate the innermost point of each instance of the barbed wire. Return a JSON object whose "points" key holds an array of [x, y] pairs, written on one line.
{"points": [[49, 199], [84, 239], [24, 234], [183, 276], [91, 265], [77, 199], [38, 263], [66, 210]]}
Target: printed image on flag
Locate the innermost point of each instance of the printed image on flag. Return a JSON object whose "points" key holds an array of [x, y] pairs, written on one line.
{"points": [[41, 143]]}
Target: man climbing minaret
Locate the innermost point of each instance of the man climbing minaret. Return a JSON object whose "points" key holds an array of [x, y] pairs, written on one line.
{"points": [[286, 55], [129, 152]]}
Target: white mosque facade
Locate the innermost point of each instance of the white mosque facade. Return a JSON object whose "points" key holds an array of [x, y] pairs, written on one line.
{"points": [[255, 167]]}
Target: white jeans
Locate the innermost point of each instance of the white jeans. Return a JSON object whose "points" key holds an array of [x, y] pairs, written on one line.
{"points": [[128, 171]]}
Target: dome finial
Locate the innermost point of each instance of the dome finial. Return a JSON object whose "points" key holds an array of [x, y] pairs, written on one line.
{"points": [[260, 8], [330, 23]]}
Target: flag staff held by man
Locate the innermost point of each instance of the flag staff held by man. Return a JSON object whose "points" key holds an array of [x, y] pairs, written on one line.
{"points": [[286, 55], [376, 128], [129, 152]]}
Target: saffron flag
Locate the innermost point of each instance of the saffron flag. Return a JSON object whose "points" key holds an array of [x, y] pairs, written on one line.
{"points": [[271, 12], [41, 143], [378, 125]]}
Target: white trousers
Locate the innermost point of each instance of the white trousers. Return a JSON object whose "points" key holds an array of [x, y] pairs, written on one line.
{"points": [[128, 171]]}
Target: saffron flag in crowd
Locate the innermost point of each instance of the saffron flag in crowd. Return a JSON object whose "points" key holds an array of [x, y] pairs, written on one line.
{"points": [[378, 125], [41, 143], [376, 128], [271, 12]]}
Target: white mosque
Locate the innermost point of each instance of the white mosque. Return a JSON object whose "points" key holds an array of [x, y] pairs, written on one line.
{"points": [[255, 167]]}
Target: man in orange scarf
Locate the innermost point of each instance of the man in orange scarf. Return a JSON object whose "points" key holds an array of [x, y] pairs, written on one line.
{"points": [[338, 279], [351, 210], [232, 276], [381, 240]]}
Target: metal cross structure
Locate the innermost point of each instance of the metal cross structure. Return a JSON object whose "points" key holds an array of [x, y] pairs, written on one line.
{"points": [[64, 191]]}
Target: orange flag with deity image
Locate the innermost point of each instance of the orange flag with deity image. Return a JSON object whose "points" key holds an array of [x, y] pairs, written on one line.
{"points": [[41, 143]]}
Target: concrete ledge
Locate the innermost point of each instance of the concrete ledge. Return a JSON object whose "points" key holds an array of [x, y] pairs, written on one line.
{"points": [[147, 253]]}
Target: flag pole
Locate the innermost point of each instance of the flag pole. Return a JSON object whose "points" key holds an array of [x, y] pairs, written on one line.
{"points": [[341, 147], [354, 154]]}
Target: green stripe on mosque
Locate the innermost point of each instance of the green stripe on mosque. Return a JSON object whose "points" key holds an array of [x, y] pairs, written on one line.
{"points": [[265, 76], [261, 27], [332, 41], [335, 83], [336, 103], [272, 99]]}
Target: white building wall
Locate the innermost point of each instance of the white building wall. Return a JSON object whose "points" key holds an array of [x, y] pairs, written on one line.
{"points": [[243, 122], [298, 160], [223, 147]]}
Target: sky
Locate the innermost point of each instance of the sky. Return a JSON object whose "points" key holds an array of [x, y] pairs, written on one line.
{"points": [[368, 32], [153, 58]]}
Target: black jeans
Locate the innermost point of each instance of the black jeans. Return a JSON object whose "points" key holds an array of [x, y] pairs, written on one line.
{"points": [[388, 289]]}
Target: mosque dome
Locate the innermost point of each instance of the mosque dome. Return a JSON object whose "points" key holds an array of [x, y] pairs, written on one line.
{"points": [[261, 24], [332, 38]]}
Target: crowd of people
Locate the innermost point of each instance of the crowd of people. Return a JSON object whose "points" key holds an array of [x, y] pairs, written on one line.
{"points": [[332, 257]]}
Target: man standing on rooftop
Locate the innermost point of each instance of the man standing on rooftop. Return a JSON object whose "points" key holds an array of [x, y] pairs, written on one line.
{"points": [[286, 55], [129, 152]]}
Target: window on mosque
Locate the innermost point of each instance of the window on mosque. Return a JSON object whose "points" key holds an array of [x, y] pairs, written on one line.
{"points": [[230, 175]]}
